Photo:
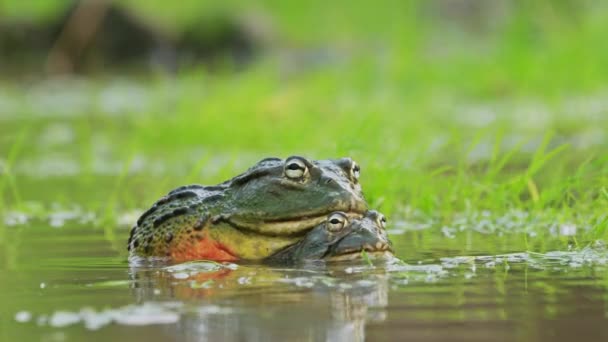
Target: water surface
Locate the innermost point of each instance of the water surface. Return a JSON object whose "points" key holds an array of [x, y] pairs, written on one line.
{"points": [[72, 283]]}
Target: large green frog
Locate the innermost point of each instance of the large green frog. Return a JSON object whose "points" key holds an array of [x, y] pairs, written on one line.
{"points": [[252, 216], [340, 237]]}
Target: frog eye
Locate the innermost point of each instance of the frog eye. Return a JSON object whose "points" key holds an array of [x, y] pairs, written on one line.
{"points": [[295, 168], [336, 221], [382, 221], [355, 171]]}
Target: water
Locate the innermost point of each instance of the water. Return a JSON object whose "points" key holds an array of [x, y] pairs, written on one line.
{"points": [[72, 283]]}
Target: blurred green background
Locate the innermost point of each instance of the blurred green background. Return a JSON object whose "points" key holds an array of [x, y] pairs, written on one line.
{"points": [[451, 107], [480, 127]]}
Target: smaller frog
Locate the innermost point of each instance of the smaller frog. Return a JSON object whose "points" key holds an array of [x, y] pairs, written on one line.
{"points": [[340, 237]]}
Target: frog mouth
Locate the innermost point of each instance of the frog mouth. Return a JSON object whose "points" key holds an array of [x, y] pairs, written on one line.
{"points": [[375, 250], [292, 225], [286, 227], [356, 255]]}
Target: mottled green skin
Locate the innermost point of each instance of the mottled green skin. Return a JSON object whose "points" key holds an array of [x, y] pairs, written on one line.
{"points": [[262, 204], [367, 233]]}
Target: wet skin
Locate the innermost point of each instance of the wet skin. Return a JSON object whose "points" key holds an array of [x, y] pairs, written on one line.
{"points": [[250, 217], [340, 237]]}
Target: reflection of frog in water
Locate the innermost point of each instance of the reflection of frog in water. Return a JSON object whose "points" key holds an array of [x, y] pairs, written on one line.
{"points": [[226, 302], [269, 207], [337, 239], [232, 302]]}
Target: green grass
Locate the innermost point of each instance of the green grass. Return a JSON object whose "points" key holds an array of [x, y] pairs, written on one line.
{"points": [[444, 119]]}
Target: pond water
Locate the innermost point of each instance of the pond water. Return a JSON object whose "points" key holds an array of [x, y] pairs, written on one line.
{"points": [[72, 283]]}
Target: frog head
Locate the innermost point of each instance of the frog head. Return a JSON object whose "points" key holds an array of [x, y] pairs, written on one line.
{"points": [[291, 196], [341, 237]]}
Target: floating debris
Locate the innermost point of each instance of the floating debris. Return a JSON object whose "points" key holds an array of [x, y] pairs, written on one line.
{"points": [[23, 316], [553, 260], [64, 318], [57, 216], [513, 221], [15, 218], [60, 217], [467, 266], [148, 313]]}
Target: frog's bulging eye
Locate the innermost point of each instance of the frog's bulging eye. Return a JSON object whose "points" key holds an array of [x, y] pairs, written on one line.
{"points": [[382, 221], [336, 222], [295, 168], [355, 171]]}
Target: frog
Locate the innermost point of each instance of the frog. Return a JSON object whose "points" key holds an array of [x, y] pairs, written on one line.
{"points": [[251, 216], [340, 238]]}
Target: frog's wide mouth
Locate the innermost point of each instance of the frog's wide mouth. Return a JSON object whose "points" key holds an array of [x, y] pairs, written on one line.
{"points": [[294, 222], [291, 226], [357, 255]]}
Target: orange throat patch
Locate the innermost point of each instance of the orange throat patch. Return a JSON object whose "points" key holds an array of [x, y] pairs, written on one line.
{"points": [[203, 249]]}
